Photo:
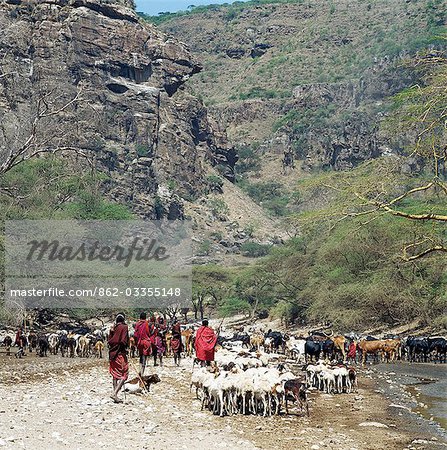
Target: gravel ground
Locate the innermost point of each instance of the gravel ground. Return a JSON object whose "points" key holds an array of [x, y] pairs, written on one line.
{"points": [[52, 403]]}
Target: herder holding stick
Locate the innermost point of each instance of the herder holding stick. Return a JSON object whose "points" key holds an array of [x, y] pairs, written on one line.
{"points": [[119, 367], [142, 336], [205, 343]]}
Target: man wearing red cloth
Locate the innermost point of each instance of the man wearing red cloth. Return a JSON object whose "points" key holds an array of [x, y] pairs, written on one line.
{"points": [[118, 342], [176, 342], [352, 352], [205, 343], [142, 337]]}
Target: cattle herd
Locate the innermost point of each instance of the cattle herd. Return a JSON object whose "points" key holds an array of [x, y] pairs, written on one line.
{"points": [[81, 342], [320, 344], [84, 342]]}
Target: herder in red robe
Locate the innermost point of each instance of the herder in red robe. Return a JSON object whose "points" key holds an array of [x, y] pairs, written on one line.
{"points": [[119, 367], [352, 352], [142, 337], [176, 342], [205, 343], [159, 341]]}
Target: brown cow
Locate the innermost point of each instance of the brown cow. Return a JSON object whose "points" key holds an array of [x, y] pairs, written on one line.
{"points": [[98, 348], [256, 340], [339, 343], [370, 347], [168, 337], [187, 341], [391, 349]]}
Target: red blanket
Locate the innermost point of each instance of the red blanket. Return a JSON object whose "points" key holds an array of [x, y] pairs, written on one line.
{"points": [[119, 367], [176, 344], [142, 336], [206, 340], [118, 341]]}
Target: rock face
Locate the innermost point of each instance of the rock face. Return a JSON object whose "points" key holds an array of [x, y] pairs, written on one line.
{"points": [[132, 120], [315, 72], [341, 126], [329, 125]]}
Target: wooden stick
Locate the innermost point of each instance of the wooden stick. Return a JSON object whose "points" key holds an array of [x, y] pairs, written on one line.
{"points": [[139, 377]]}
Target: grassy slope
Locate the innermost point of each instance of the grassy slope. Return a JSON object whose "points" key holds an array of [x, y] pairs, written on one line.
{"points": [[312, 41]]}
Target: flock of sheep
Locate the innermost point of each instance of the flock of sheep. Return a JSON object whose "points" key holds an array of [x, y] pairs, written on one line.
{"points": [[241, 382]]}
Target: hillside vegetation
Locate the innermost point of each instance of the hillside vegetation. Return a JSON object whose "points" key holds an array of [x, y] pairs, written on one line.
{"points": [[349, 271], [307, 41]]}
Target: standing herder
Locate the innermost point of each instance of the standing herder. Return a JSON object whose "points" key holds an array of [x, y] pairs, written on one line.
{"points": [[205, 343], [352, 352], [176, 342], [17, 341], [143, 341], [160, 347], [118, 342]]}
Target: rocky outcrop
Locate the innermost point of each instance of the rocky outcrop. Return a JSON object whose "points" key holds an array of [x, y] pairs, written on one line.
{"points": [[132, 120], [338, 123], [305, 70]]}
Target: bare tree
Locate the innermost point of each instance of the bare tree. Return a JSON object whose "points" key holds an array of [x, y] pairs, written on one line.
{"points": [[46, 132], [382, 187]]}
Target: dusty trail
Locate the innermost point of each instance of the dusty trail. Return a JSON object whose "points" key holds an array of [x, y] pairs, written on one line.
{"points": [[57, 403]]}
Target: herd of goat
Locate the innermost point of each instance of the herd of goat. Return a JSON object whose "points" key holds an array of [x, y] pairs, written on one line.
{"points": [[242, 382]]}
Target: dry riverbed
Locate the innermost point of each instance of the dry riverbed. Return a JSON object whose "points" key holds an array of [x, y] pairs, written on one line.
{"points": [[52, 403]]}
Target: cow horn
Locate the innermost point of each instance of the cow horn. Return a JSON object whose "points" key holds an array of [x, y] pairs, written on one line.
{"points": [[330, 334]]}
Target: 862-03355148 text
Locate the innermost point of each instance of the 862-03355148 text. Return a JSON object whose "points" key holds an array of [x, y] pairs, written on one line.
{"points": [[98, 292]]}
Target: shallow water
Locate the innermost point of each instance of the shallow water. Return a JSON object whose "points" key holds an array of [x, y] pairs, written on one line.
{"points": [[427, 385]]}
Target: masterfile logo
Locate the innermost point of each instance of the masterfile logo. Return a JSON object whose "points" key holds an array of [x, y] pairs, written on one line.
{"points": [[130, 264]]}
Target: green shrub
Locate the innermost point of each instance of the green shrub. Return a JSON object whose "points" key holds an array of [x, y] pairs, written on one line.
{"points": [[254, 250], [249, 159], [218, 206], [90, 206], [204, 248], [262, 191], [142, 150], [232, 306], [249, 229], [216, 236], [172, 185], [215, 183], [258, 92]]}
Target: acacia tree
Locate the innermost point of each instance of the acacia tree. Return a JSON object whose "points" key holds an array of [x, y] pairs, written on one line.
{"points": [[255, 286], [210, 283], [420, 111], [412, 185]]}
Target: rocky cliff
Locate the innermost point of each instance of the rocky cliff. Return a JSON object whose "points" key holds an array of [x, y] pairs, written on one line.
{"points": [[130, 117], [309, 78]]}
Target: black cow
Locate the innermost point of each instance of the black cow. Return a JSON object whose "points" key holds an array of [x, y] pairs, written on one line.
{"points": [[42, 345], [7, 342], [63, 344], [71, 346], [328, 349], [277, 340], [418, 349], [312, 349], [32, 337], [437, 347], [243, 337]]}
